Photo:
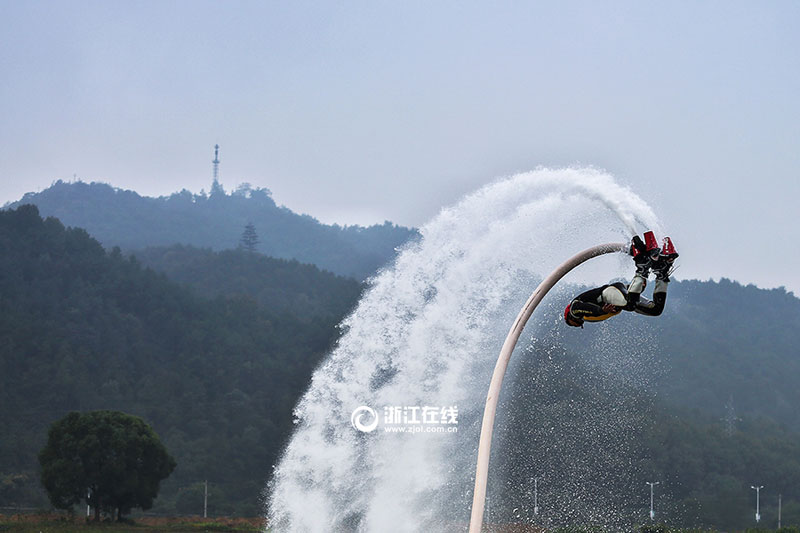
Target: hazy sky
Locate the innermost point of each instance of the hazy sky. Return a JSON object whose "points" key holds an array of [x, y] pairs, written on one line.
{"points": [[357, 112]]}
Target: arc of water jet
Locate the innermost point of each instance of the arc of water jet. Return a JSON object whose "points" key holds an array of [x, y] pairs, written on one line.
{"points": [[485, 443]]}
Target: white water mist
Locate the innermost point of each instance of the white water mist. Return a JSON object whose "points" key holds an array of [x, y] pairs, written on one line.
{"points": [[427, 332]]}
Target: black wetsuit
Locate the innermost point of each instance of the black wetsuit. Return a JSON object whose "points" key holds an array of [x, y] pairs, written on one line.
{"points": [[589, 305]]}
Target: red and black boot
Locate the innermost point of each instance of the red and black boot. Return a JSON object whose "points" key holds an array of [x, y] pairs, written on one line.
{"points": [[667, 256]]}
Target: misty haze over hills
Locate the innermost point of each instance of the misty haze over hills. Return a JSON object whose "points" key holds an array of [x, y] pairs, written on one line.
{"points": [[216, 220]]}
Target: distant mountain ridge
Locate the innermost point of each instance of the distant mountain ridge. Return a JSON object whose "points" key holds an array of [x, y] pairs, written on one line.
{"points": [[123, 218]]}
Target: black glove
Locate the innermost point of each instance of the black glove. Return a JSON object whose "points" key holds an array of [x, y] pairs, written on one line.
{"points": [[638, 245], [641, 259]]}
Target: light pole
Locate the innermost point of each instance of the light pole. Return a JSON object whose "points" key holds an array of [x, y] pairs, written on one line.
{"points": [[758, 500], [652, 484], [536, 496], [779, 511]]}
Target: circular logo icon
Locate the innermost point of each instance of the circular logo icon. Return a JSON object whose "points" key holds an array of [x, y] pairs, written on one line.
{"points": [[357, 419]]}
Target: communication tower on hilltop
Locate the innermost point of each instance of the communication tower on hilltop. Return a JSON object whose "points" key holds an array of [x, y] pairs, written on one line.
{"points": [[216, 162], [215, 186]]}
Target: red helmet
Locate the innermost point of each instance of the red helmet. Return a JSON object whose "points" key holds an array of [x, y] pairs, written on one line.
{"points": [[572, 320]]}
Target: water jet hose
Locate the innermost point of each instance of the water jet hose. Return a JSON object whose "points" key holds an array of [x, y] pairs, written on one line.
{"points": [[485, 444]]}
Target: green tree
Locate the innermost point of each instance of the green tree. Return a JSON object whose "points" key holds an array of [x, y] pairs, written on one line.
{"points": [[249, 238], [113, 460]]}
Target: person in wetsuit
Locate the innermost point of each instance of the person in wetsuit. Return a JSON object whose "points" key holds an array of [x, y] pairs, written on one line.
{"points": [[602, 303]]}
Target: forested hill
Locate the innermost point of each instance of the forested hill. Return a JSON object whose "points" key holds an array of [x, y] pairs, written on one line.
{"points": [[82, 328], [730, 349], [593, 439], [123, 218], [280, 285]]}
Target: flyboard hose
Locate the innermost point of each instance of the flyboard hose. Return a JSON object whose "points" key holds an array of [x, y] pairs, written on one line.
{"points": [[485, 444]]}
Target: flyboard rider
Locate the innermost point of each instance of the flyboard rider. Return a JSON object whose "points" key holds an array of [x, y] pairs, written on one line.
{"points": [[610, 300]]}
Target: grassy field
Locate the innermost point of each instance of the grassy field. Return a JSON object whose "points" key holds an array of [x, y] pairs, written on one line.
{"points": [[58, 523], [63, 523]]}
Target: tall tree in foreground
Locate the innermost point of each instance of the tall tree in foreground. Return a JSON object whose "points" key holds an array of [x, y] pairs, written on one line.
{"points": [[113, 460]]}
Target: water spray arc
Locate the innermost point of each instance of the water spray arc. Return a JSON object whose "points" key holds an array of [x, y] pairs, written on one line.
{"points": [[426, 331], [487, 427]]}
